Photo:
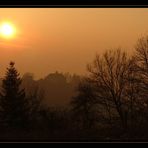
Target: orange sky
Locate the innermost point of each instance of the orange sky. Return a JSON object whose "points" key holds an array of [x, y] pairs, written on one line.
{"points": [[66, 39]]}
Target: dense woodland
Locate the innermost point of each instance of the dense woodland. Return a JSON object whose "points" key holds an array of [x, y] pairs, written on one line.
{"points": [[110, 103]]}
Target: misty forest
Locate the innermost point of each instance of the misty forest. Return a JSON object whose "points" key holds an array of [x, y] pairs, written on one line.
{"points": [[109, 103]]}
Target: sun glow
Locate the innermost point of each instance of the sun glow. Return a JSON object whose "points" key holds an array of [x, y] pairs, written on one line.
{"points": [[7, 30]]}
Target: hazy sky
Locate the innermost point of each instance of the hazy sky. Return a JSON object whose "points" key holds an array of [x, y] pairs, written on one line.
{"points": [[66, 39]]}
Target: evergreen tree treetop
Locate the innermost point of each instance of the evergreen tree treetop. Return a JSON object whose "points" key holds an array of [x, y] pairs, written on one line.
{"points": [[13, 103]]}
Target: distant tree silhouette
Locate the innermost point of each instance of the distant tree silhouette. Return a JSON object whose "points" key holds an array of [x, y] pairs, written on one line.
{"points": [[54, 120], [58, 89], [84, 104], [13, 104], [35, 100]]}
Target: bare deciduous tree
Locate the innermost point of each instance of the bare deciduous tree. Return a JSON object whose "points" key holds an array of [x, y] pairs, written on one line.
{"points": [[109, 75], [141, 58]]}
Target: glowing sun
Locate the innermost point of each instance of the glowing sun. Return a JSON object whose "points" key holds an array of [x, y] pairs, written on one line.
{"points": [[7, 30]]}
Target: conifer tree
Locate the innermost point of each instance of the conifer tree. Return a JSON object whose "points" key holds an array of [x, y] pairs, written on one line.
{"points": [[13, 103]]}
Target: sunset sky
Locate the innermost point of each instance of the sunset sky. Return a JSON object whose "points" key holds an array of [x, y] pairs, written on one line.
{"points": [[66, 39]]}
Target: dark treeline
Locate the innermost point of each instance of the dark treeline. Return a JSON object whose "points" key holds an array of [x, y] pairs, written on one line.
{"points": [[110, 103]]}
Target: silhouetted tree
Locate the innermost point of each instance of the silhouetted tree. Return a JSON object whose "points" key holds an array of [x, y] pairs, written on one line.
{"points": [[55, 120], [35, 101], [84, 105], [141, 67], [109, 75], [13, 104], [141, 58]]}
